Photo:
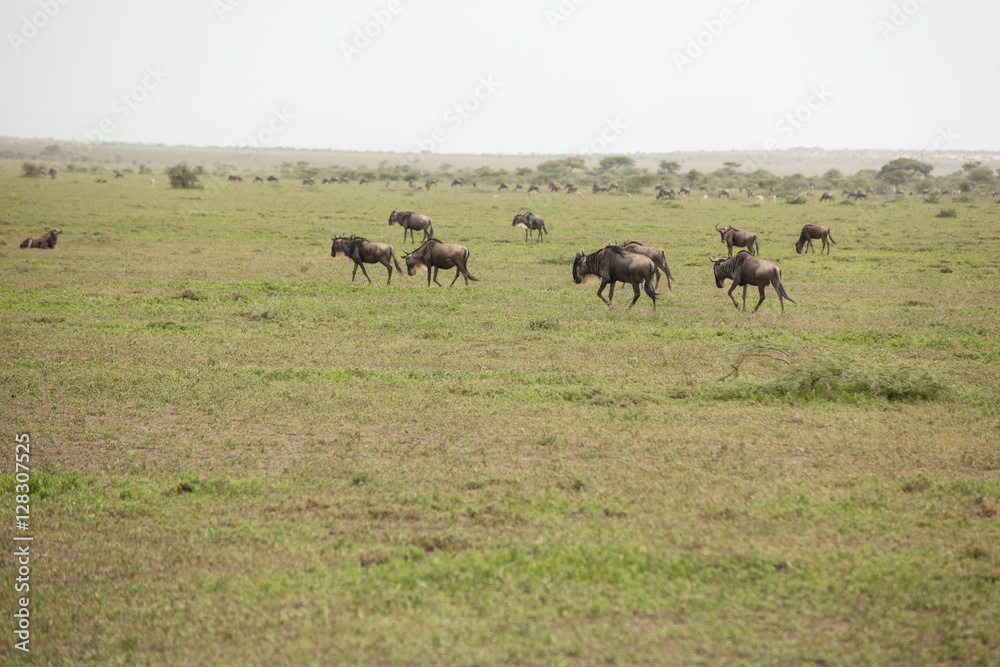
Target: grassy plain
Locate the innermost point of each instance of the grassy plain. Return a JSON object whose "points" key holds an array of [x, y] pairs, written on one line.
{"points": [[239, 457]]}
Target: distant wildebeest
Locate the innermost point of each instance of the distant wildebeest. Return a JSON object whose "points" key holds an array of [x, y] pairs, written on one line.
{"points": [[517, 187], [745, 269], [409, 221], [554, 187], [362, 251], [429, 182], [434, 255], [724, 193], [685, 190], [826, 197], [46, 241], [810, 232], [532, 188], [257, 179], [412, 186], [571, 188], [663, 192], [309, 181], [52, 172], [749, 193], [503, 186], [457, 181], [598, 188], [612, 264], [272, 179], [734, 237], [658, 257], [235, 179], [614, 186], [328, 180], [529, 222], [362, 181], [118, 175]]}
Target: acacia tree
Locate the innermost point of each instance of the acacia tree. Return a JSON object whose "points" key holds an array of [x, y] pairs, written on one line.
{"points": [[616, 162], [898, 171]]}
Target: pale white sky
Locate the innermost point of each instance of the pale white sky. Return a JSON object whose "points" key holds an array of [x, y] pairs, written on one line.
{"points": [[519, 76]]}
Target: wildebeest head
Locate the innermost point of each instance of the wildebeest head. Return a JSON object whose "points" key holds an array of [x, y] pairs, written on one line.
{"points": [[341, 246], [395, 218], [801, 243], [718, 269], [722, 231], [580, 266]]}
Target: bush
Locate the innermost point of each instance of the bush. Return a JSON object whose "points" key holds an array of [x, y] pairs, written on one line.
{"points": [[181, 176], [31, 170], [947, 213]]}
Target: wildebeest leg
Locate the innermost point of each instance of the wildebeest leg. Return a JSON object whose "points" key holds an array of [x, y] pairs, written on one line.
{"points": [[436, 277], [604, 283], [635, 286], [730, 293], [657, 285], [362, 271], [761, 288], [458, 272], [388, 267]]}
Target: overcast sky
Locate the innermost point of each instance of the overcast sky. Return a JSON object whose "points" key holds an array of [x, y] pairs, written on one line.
{"points": [[519, 76]]}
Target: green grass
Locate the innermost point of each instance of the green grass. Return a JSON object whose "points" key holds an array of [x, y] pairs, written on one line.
{"points": [[240, 457]]}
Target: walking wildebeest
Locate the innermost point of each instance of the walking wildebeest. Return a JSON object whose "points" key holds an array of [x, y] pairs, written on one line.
{"points": [[825, 197], [530, 222], [745, 269], [232, 178], [435, 254], [612, 264], [409, 221], [658, 257], [362, 251], [734, 237], [46, 241], [810, 232]]}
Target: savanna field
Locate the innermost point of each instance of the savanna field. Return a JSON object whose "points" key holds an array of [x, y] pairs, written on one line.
{"points": [[240, 457]]}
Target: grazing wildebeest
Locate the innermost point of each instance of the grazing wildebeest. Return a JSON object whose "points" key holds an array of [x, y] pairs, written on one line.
{"points": [[745, 269], [658, 257], [554, 187], [46, 241], [362, 251], [309, 181], [409, 221], [118, 175], [612, 264], [272, 179], [52, 172], [734, 237], [434, 255], [362, 181], [529, 222], [663, 192], [457, 181], [429, 182], [685, 190], [826, 197], [532, 188], [598, 188], [232, 179], [571, 188], [724, 193], [517, 187], [503, 186], [257, 179], [810, 232]]}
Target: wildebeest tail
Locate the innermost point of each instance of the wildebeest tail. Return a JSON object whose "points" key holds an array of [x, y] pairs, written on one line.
{"points": [[784, 294], [465, 269], [430, 229], [830, 236], [648, 286], [394, 261]]}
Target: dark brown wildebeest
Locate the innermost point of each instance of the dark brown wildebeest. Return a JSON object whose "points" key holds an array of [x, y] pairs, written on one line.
{"points": [[362, 251], [663, 192], [612, 264], [46, 241], [517, 187], [571, 188], [272, 179], [257, 179], [434, 255], [685, 190], [532, 188], [745, 269], [826, 197], [309, 181], [734, 237], [554, 187], [503, 186], [658, 257], [529, 222], [362, 181], [429, 182], [52, 172], [409, 221], [598, 188], [232, 178], [118, 175], [810, 232], [457, 181], [724, 193]]}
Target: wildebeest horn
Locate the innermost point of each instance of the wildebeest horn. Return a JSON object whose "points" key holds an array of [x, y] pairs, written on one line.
{"points": [[714, 259]]}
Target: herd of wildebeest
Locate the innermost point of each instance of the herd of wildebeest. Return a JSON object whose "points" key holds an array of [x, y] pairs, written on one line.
{"points": [[631, 263]]}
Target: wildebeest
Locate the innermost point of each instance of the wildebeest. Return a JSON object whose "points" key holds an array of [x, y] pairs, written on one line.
{"points": [[232, 178], [118, 175], [272, 179], [745, 269], [663, 192], [724, 193], [554, 187], [52, 172], [825, 197], [362, 181], [434, 255], [309, 181], [409, 221], [362, 251], [810, 232], [532, 188], [612, 264], [503, 186], [734, 237], [257, 179], [658, 257], [598, 188], [457, 181], [429, 182], [530, 222], [46, 241]]}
